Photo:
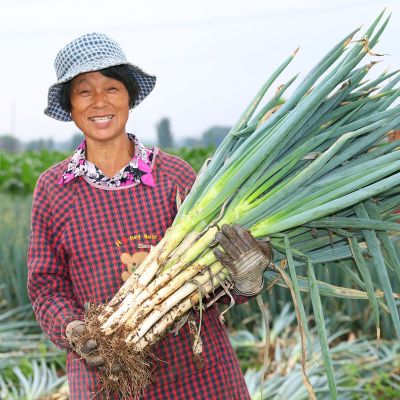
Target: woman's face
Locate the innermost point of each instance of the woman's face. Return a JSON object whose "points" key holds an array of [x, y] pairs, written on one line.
{"points": [[99, 106]]}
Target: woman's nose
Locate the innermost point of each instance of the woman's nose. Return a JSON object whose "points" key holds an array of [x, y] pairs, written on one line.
{"points": [[99, 99]]}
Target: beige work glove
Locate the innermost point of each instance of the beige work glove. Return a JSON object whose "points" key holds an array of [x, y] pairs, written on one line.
{"points": [[244, 256]]}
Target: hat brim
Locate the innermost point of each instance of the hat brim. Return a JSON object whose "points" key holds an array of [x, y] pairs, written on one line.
{"points": [[146, 83]]}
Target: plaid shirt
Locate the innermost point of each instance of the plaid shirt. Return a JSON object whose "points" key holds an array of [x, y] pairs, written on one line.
{"points": [[78, 234]]}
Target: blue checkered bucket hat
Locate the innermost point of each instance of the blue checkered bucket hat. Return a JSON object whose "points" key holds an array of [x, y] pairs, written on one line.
{"points": [[91, 52]]}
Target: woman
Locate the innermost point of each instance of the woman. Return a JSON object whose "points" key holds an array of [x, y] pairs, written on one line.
{"points": [[114, 196]]}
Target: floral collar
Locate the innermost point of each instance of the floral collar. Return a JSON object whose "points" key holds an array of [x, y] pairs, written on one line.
{"points": [[138, 170]]}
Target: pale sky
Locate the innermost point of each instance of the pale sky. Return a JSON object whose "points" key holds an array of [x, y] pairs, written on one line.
{"points": [[210, 57]]}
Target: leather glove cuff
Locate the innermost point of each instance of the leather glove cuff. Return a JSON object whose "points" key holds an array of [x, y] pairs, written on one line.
{"points": [[248, 289]]}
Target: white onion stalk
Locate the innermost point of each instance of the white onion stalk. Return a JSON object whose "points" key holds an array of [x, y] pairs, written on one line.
{"points": [[171, 301], [159, 295], [171, 316]]}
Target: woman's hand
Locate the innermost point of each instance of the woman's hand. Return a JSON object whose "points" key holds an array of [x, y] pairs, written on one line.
{"points": [[86, 348], [244, 256]]}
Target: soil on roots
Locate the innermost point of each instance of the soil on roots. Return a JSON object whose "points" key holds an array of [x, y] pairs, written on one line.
{"points": [[133, 376]]}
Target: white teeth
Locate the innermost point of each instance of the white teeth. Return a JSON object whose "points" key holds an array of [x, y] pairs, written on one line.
{"points": [[101, 119]]}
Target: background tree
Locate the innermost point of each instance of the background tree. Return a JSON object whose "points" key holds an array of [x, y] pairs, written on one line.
{"points": [[9, 143], [40, 144], [76, 140], [165, 138], [214, 135]]}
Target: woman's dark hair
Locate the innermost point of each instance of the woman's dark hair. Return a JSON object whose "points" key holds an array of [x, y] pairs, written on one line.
{"points": [[121, 73]]}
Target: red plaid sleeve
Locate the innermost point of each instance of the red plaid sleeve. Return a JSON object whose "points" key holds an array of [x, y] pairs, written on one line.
{"points": [[49, 285]]}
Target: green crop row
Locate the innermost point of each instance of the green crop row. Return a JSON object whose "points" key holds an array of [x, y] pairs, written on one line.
{"points": [[20, 171]]}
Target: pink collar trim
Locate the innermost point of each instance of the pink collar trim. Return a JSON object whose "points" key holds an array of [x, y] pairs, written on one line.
{"points": [[139, 169]]}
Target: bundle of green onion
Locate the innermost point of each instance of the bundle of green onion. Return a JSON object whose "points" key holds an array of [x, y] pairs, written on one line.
{"points": [[301, 173]]}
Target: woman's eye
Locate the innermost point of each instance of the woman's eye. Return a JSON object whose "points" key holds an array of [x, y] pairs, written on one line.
{"points": [[84, 91], [112, 89]]}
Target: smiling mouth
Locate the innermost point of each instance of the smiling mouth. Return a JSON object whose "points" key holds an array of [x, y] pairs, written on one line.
{"points": [[101, 120]]}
